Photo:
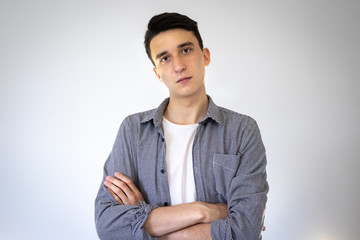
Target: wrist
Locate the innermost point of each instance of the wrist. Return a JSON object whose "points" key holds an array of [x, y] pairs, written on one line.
{"points": [[212, 212], [204, 212]]}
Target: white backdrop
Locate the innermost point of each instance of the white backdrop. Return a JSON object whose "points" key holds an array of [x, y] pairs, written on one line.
{"points": [[71, 70]]}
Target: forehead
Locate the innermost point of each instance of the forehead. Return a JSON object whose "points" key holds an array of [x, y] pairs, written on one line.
{"points": [[170, 39]]}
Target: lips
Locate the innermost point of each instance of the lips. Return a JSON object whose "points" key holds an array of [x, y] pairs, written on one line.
{"points": [[183, 80]]}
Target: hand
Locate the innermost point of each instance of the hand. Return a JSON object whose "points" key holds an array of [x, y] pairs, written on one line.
{"points": [[123, 189]]}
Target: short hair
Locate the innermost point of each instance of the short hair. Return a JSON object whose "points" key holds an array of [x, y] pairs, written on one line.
{"points": [[167, 21]]}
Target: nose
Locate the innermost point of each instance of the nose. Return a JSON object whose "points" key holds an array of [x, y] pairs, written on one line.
{"points": [[178, 64]]}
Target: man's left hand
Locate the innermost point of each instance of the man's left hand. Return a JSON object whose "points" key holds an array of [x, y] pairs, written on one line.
{"points": [[123, 189]]}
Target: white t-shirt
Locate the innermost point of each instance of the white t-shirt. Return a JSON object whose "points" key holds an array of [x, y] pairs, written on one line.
{"points": [[179, 142]]}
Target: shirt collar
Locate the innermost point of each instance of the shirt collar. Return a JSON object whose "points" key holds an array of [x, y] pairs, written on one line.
{"points": [[214, 113], [156, 115]]}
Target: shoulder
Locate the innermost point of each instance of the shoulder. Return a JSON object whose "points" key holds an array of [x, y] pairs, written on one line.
{"points": [[133, 124], [226, 117], [139, 117], [153, 116], [233, 118], [241, 129]]}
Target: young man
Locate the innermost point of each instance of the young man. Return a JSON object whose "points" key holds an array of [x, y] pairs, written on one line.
{"points": [[188, 169]]}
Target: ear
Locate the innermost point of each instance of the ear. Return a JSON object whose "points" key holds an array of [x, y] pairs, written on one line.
{"points": [[206, 54], [157, 74]]}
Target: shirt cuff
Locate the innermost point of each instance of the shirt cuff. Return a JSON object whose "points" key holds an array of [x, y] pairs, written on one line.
{"points": [[141, 215]]}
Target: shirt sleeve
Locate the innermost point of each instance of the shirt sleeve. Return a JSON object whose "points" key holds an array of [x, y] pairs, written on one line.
{"points": [[114, 220], [246, 193]]}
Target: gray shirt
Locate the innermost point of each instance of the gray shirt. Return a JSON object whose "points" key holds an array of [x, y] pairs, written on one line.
{"points": [[229, 167]]}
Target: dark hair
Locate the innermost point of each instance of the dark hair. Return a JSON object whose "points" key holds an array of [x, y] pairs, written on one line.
{"points": [[166, 21]]}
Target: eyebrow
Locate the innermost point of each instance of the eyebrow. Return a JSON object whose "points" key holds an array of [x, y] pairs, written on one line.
{"points": [[180, 46]]}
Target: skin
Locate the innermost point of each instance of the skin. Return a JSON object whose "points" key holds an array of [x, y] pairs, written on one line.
{"points": [[180, 64], [123, 189], [178, 57]]}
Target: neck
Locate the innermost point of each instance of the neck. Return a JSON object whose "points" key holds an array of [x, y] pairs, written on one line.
{"points": [[187, 110]]}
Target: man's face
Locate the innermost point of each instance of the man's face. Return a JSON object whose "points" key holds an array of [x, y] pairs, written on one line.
{"points": [[179, 62]]}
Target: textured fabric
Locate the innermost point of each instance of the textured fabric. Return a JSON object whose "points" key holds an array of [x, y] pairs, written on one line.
{"points": [[229, 167], [179, 140]]}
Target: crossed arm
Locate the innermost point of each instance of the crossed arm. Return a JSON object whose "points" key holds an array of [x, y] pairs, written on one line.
{"points": [[183, 221]]}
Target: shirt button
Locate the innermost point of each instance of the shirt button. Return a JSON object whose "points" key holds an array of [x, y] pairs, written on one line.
{"points": [[166, 204], [162, 171], [162, 139]]}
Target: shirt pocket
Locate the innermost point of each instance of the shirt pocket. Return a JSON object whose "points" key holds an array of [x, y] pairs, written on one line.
{"points": [[225, 168]]}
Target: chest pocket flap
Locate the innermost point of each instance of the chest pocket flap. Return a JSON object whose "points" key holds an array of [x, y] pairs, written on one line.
{"points": [[225, 168]]}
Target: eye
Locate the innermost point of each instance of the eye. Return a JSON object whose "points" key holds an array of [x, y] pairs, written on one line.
{"points": [[164, 59], [186, 50]]}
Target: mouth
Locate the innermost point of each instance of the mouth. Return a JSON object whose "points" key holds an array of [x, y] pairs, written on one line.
{"points": [[183, 80]]}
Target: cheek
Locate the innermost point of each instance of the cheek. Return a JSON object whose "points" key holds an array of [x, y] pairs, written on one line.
{"points": [[164, 75], [200, 68]]}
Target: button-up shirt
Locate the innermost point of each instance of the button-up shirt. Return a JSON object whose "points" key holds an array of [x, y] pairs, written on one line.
{"points": [[229, 166]]}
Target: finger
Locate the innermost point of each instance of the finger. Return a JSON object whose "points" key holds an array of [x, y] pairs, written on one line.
{"points": [[116, 189], [123, 186], [134, 195], [115, 196], [128, 181], [119, 183]]}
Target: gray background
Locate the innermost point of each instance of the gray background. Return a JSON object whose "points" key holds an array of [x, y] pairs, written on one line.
{"points": [[70, 71]]}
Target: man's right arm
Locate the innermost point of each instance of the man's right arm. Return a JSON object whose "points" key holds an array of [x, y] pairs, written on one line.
{"points": [[165, 220]]}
